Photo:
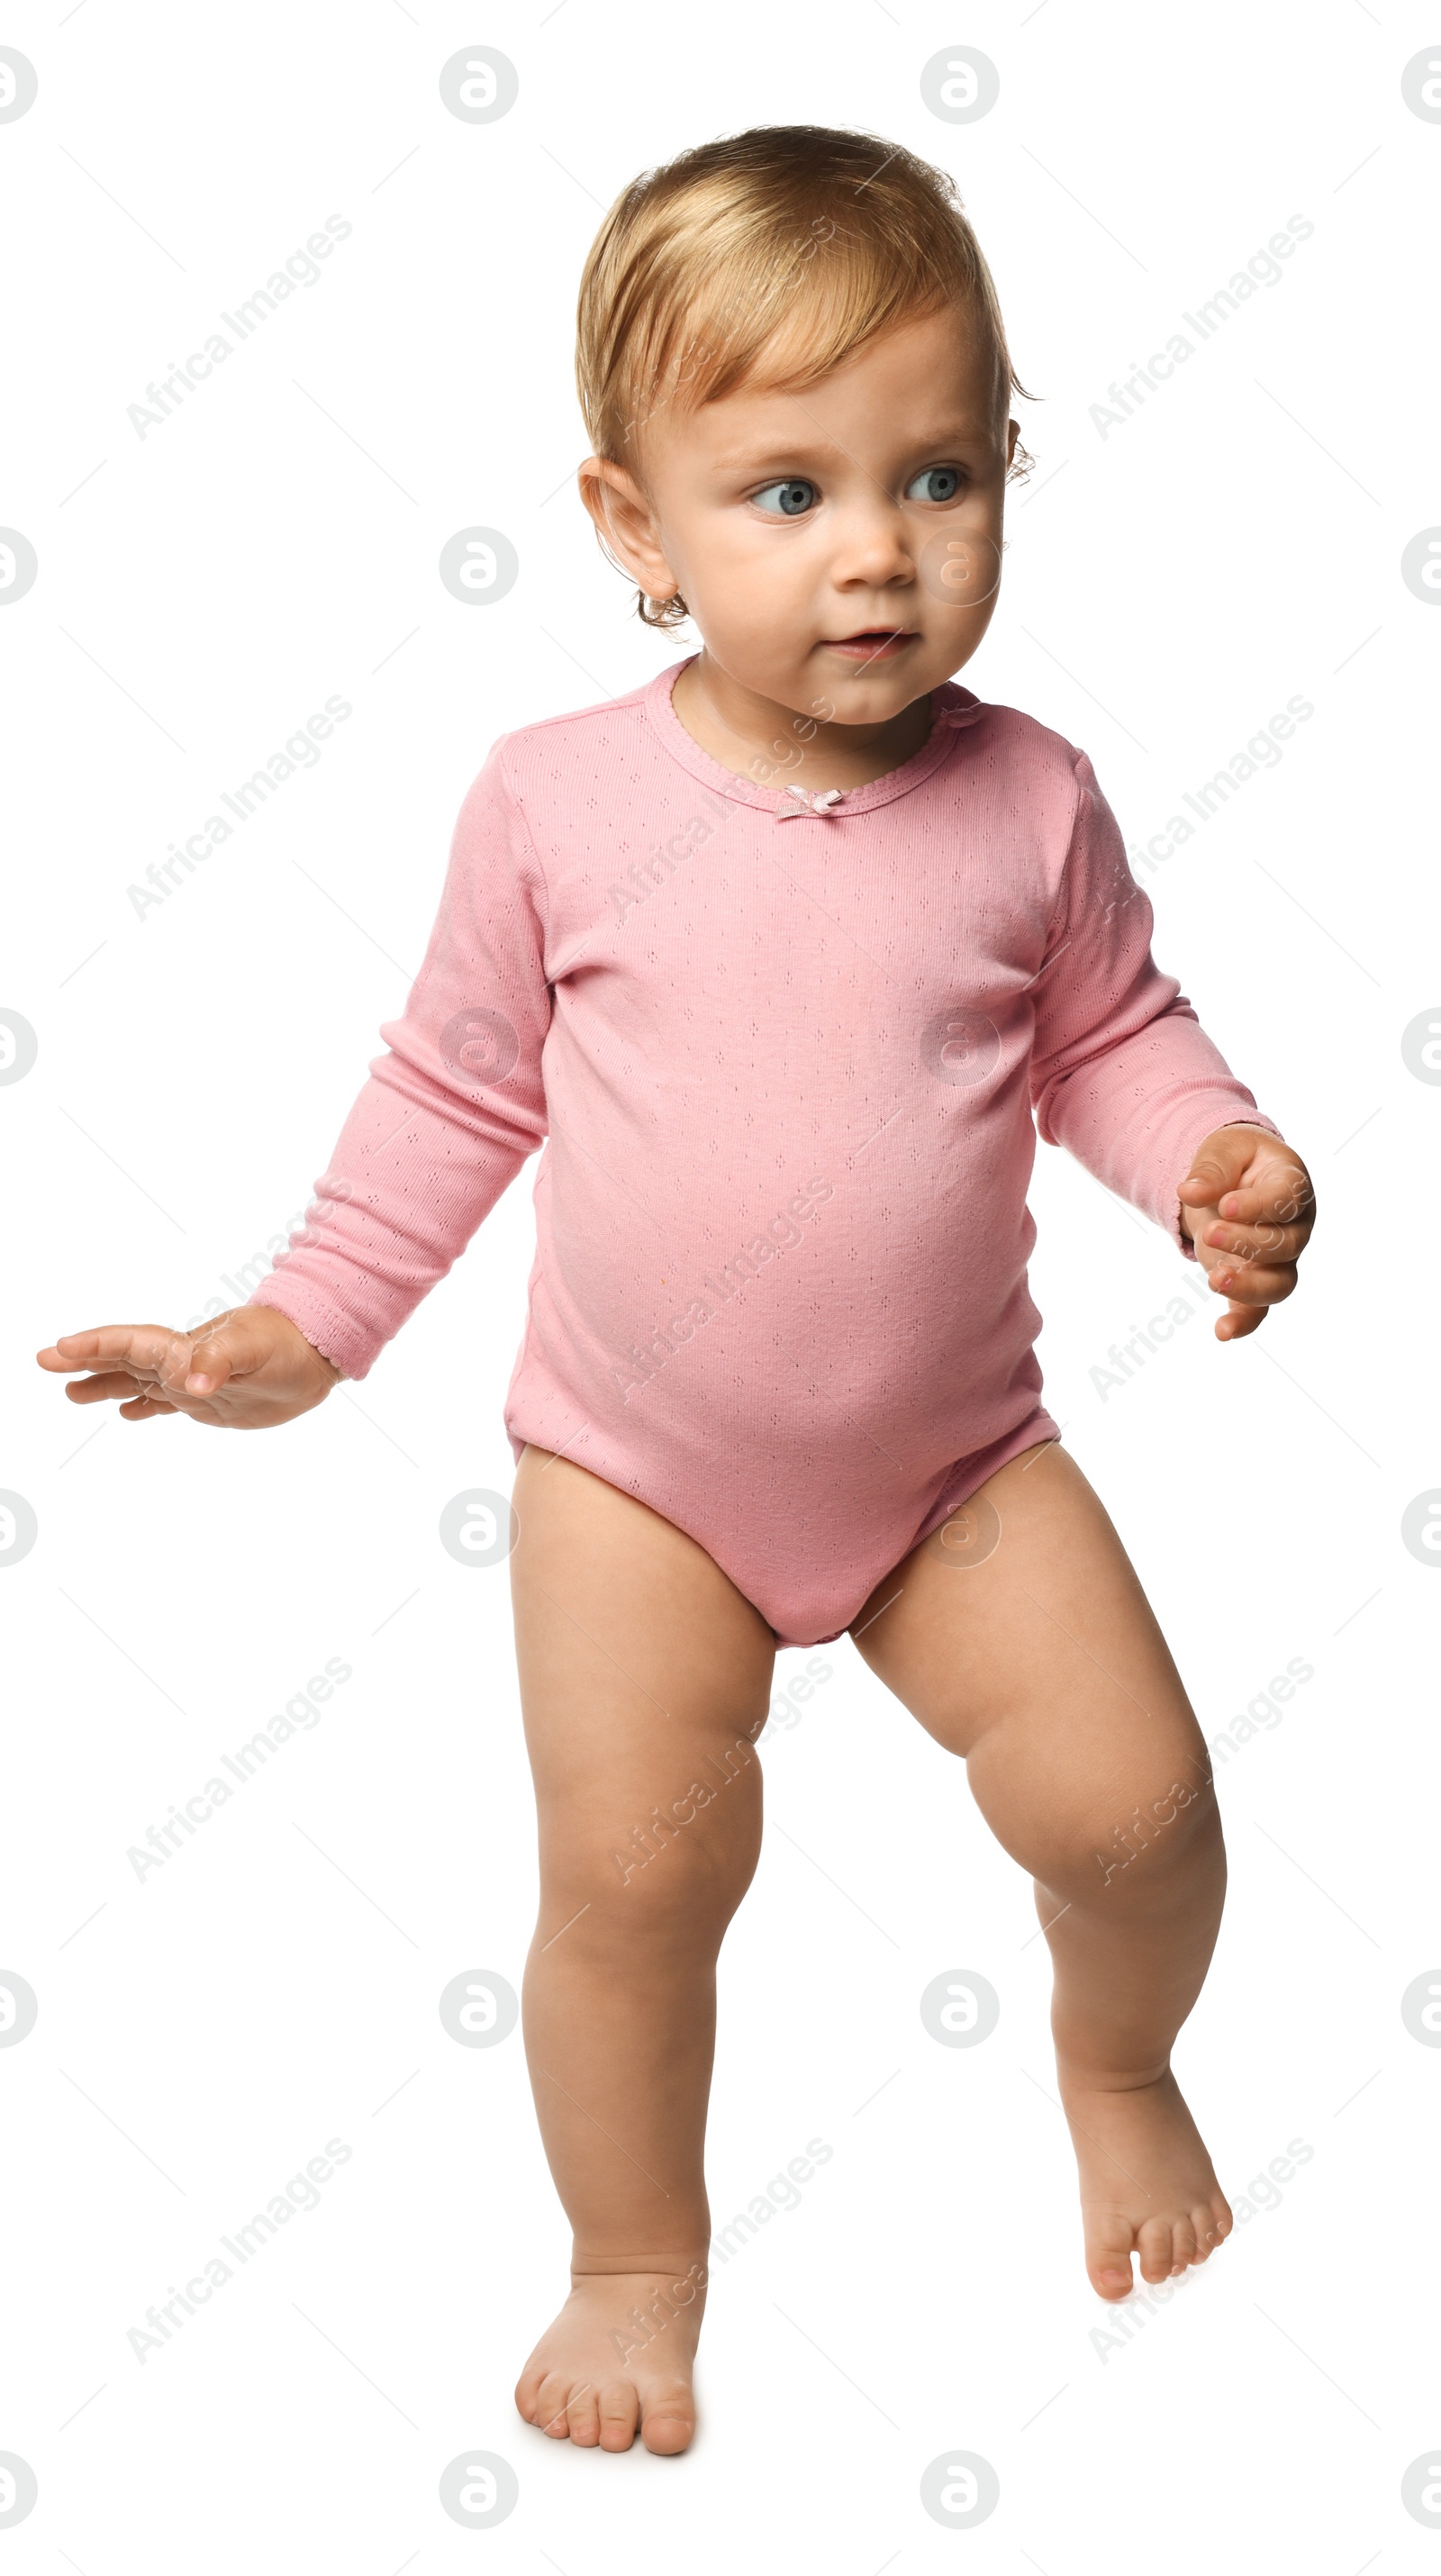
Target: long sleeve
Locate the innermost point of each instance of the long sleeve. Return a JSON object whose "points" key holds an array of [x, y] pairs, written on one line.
{"points": [[450, 1111], [1122, 1073]]}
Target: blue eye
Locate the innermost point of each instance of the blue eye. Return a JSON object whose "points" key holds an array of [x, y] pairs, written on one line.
{"points": [[947, 476], [795, 498]]}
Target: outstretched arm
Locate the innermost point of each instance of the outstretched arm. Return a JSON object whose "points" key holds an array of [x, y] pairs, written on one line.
{"points": [[446, 1119], [245, 1371], [449, 1113]]}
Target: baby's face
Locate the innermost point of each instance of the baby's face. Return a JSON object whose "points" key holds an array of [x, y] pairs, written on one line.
{"points": [[839, 548]]}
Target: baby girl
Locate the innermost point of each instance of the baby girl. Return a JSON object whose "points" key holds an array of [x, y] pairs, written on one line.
{"points": [[779, 956]]}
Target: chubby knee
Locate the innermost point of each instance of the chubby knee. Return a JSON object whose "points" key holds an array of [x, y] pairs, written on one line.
{"points": [[673, 1873], [669, 1892], [1158, 1841]]}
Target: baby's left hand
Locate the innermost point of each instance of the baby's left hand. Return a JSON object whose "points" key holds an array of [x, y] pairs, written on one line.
{"points": [[1248, 1206]]}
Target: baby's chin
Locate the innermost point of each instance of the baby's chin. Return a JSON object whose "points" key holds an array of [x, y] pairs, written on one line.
{"points": [[869, 685]]}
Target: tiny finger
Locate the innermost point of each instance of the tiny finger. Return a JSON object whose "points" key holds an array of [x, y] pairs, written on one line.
{"points": [[1252, 1283], [1286, 1197], [1257, 1242], [1238, 1321], [101, 1390]]}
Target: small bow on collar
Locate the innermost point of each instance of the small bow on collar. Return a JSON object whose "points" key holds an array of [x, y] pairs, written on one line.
{"points": [[823, 801], [948, 718]]}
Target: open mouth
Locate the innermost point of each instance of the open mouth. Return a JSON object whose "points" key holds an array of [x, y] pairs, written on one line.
{"points": [[871, 642]]}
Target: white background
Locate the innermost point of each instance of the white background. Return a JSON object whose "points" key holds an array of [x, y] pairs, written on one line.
{"points": [[202, 2035]]}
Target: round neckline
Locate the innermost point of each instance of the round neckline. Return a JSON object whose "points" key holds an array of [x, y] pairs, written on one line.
{"points": [[951, 708]]}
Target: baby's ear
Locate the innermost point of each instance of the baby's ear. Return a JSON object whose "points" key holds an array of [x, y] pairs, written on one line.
{"points": [[624, 523], [594, 485]]}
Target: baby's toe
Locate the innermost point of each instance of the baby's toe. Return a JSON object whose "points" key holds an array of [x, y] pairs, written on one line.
{"points": [[1207, 2231], [1183, 2245], [1109, 2238], [526, 2388], [1214, 2222], [669, 2420], [617, 2411], [583, 2415], [1153, 2245], [550, 2406]]}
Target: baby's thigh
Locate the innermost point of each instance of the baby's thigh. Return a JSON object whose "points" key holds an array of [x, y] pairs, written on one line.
{"points": [[1021, 1638], [643, 1671]]}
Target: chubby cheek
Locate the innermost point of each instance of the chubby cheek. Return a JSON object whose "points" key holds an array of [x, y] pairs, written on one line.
{"points": [[959, 570], [756, 595]]}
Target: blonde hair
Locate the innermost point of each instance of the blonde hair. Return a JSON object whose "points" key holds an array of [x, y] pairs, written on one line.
{"points": [[767, 256]]}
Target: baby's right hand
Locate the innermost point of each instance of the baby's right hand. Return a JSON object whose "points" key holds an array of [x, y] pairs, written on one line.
{"points": [[247, 1370]]}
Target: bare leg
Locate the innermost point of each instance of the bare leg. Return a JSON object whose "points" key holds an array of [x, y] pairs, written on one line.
{"points": [[644, 1673], [1022, 1640]]}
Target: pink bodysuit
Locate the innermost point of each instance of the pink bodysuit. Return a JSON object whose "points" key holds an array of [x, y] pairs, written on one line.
{"points": [[783, 1058]]}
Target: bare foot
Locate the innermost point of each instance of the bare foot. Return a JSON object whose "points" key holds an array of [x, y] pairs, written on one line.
{"points": [[620, 2354], [1147, 2182]]}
